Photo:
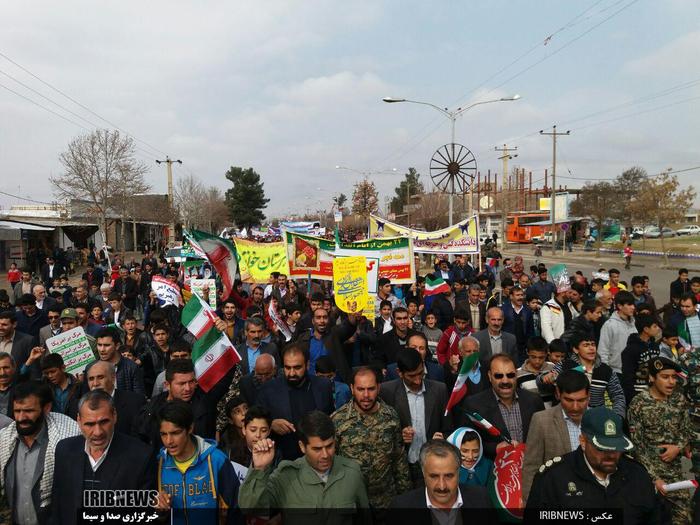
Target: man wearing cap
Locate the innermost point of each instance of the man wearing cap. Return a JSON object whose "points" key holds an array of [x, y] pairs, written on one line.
{"points": [[597, 474], [69, 320], [660, 429]]}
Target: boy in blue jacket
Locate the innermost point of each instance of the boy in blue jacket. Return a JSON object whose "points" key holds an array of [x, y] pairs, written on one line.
{"points": [[195, 478]]}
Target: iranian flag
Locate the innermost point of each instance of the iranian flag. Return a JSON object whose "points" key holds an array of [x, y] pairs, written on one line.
{"points": [[198, 317], [213, 355], [484, 424], [460, 388], [435, 286], [220, 252]]}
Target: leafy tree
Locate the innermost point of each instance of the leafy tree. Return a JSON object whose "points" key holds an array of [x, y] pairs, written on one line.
{"points": [[365, 198], [246, 200], [98, 167], [661, 201], [627, 187], [598, 202], [410, 185]]}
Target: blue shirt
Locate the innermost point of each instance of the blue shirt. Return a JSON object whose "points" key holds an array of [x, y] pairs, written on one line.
{"points": [[252, 357], [316, 350]]}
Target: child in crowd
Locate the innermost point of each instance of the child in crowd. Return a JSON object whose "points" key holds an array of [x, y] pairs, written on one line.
{"points": [[257, 425], [432, 332], [449, 342], [535, 304], [341, 391], [557, 351], [536, 364], [475, 468], [413, 307], [293, 315], [669, 346], [232, 440]]}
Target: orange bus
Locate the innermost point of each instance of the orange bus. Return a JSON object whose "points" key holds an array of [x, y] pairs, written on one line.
{"points": [[522, 227]]}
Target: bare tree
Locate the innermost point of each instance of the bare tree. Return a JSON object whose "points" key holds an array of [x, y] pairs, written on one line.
{"points": [[93, 166], [365, 198], [216, 211], [597, 201], [128, 183], [190, 195], [660, 199], [432, 210]]}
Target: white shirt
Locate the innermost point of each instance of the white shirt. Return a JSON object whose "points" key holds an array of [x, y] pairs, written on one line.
{"points": [[95, 463], [457, 504], [444, 516], [603, 482]]}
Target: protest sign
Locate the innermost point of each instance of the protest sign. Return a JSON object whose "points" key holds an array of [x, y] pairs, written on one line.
{"points": [[560, 277], [73, 346], [313, 257], [506, 488], [280, 323], [196, 286], [257, 260], [368, 311], [350, 283], [460, 238], [166, 292]]}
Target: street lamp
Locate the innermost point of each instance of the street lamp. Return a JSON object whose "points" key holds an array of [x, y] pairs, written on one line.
{"points": [[452, 115]]}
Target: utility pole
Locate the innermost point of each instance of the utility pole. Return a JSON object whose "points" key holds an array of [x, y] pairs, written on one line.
{"points": [[171, 228], [552, 201], [505, 158]]}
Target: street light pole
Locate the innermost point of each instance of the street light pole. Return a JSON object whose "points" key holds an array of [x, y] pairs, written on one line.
{"points": [[553, 199], [452, 115], [171, 228]]}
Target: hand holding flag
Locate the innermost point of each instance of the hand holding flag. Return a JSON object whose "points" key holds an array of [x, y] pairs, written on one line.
{"points": [[487, 426], [460, 388]]}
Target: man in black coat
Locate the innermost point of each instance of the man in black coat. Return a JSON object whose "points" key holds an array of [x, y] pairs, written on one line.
{"points": [[251, 384], [50, 271], [127, 288], [506, 407], [292, 396], [392, 342], [22, 344], [100, 459], [440, 462], [102, 376]]}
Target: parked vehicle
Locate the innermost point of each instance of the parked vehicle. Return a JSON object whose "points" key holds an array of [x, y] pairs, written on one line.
{"points": [[655, 233], [690, 229]]}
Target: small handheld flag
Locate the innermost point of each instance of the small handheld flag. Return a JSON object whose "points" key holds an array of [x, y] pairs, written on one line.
{"points": [[435, 286], [488, 427], [460, 388]]}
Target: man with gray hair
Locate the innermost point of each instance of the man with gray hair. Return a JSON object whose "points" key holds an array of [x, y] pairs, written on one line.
{"points": [[254, 346], [443, 499], [476, 380], [102, 458], [102, 375]]}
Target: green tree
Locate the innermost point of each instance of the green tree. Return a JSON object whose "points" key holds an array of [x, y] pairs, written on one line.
{"points": [[627, 187], [365, 198], [410, 185], [246, 200], [598, 202], [340, 200]]}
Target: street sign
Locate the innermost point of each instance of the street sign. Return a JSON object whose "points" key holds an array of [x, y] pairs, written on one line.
{"points": [[565, 226]]}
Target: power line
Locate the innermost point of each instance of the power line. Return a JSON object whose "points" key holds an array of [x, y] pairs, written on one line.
{"points": [[27, 199], [79, 104]]}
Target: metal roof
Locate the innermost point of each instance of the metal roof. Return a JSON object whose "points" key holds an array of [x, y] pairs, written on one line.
{"points": [[13, 225]]}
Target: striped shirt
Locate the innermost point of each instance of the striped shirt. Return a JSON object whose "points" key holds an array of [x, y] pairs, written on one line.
{"points": [[511, 417]]}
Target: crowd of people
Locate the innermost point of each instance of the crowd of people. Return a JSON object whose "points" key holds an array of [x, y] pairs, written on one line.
{"points": [[347, 419]]}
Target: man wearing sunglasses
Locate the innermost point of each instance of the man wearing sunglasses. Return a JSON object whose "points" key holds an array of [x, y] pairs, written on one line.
{"points": [[505, 406], [54, 326]]}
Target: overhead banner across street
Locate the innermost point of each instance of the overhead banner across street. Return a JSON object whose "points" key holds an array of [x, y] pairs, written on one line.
{"points": [[390, 258], [458, 239]]}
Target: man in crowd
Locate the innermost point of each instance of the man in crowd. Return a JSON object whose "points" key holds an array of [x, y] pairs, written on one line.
{"points": [[544, 288], [369, 431], [54, 326], [506, 407], [8, 372], [660, 430], [15, 343], [555, 316], [129, 375], [50, 271], [30, 319], [126, 288], [234, 324], [517, 320], [293, 395], [597, 474], [476, 308], [640, 350], [93, 276], [392, 342], [616, 331], [320, 480], [420, 404], [687, 320], [555, 431], [493, 340], [102, 458], [42, 302], [678, 287], [23, 287], [27, 453], [250, 384], [254, 346], [419, 342], [65, 387]]}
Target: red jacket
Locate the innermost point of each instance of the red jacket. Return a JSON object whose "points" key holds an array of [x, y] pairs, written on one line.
{"points": [[448, 344]]}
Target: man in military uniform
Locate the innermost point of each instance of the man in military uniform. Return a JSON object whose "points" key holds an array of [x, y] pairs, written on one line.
{"points": [[660, 430], [595, 475], [370, 433], [690, 361]]}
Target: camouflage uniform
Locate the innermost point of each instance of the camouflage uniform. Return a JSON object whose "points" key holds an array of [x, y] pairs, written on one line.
{"points": [[690, 361], [374, 441], [231, 392], [652, 424]]}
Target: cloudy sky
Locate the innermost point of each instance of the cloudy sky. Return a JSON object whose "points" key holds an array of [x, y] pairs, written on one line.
{"points": [[293, 89]]}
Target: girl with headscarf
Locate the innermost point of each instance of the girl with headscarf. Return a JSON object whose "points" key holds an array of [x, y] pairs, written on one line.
{"points": [[475, 469]]}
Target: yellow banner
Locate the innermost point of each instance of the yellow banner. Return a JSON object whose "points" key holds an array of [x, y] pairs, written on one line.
{"points": [[350, 283], [257, 260], [460, 238]]}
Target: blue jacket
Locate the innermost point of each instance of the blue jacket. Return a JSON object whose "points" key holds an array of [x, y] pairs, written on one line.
{"points": [[509, 320], [209, 483]]}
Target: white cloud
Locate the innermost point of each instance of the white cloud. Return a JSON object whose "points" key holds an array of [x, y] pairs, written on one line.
{"points": [[678, 57]]}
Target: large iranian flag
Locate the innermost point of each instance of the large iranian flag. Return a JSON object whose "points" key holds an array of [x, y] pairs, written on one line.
{"points": [[213, 355], [197, 316], [460, 388], [221, 254], [435, 286]]}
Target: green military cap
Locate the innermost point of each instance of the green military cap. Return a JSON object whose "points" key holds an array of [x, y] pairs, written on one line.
{"points": [[69, 313], [658, 364], [603, 428]]}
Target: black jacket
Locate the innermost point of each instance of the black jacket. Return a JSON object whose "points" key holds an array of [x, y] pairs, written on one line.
{"points": [[442, 308], [412, 507], [568, 484], [128, 405], [129, 465], [485, 404], [333, 341], [635, 357], [388, 347]]}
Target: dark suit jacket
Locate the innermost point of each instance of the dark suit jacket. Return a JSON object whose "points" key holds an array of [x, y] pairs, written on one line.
{"points": [[265, 348], [274, 395], [508, 343], [485, 404], [127, 403], [21, 348], [97, 278], [394, 394], [249, 389], [509, 320], [129, 464], [129, 288], [482, 314], [412, 507], [58, 270], [333, 341]]}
